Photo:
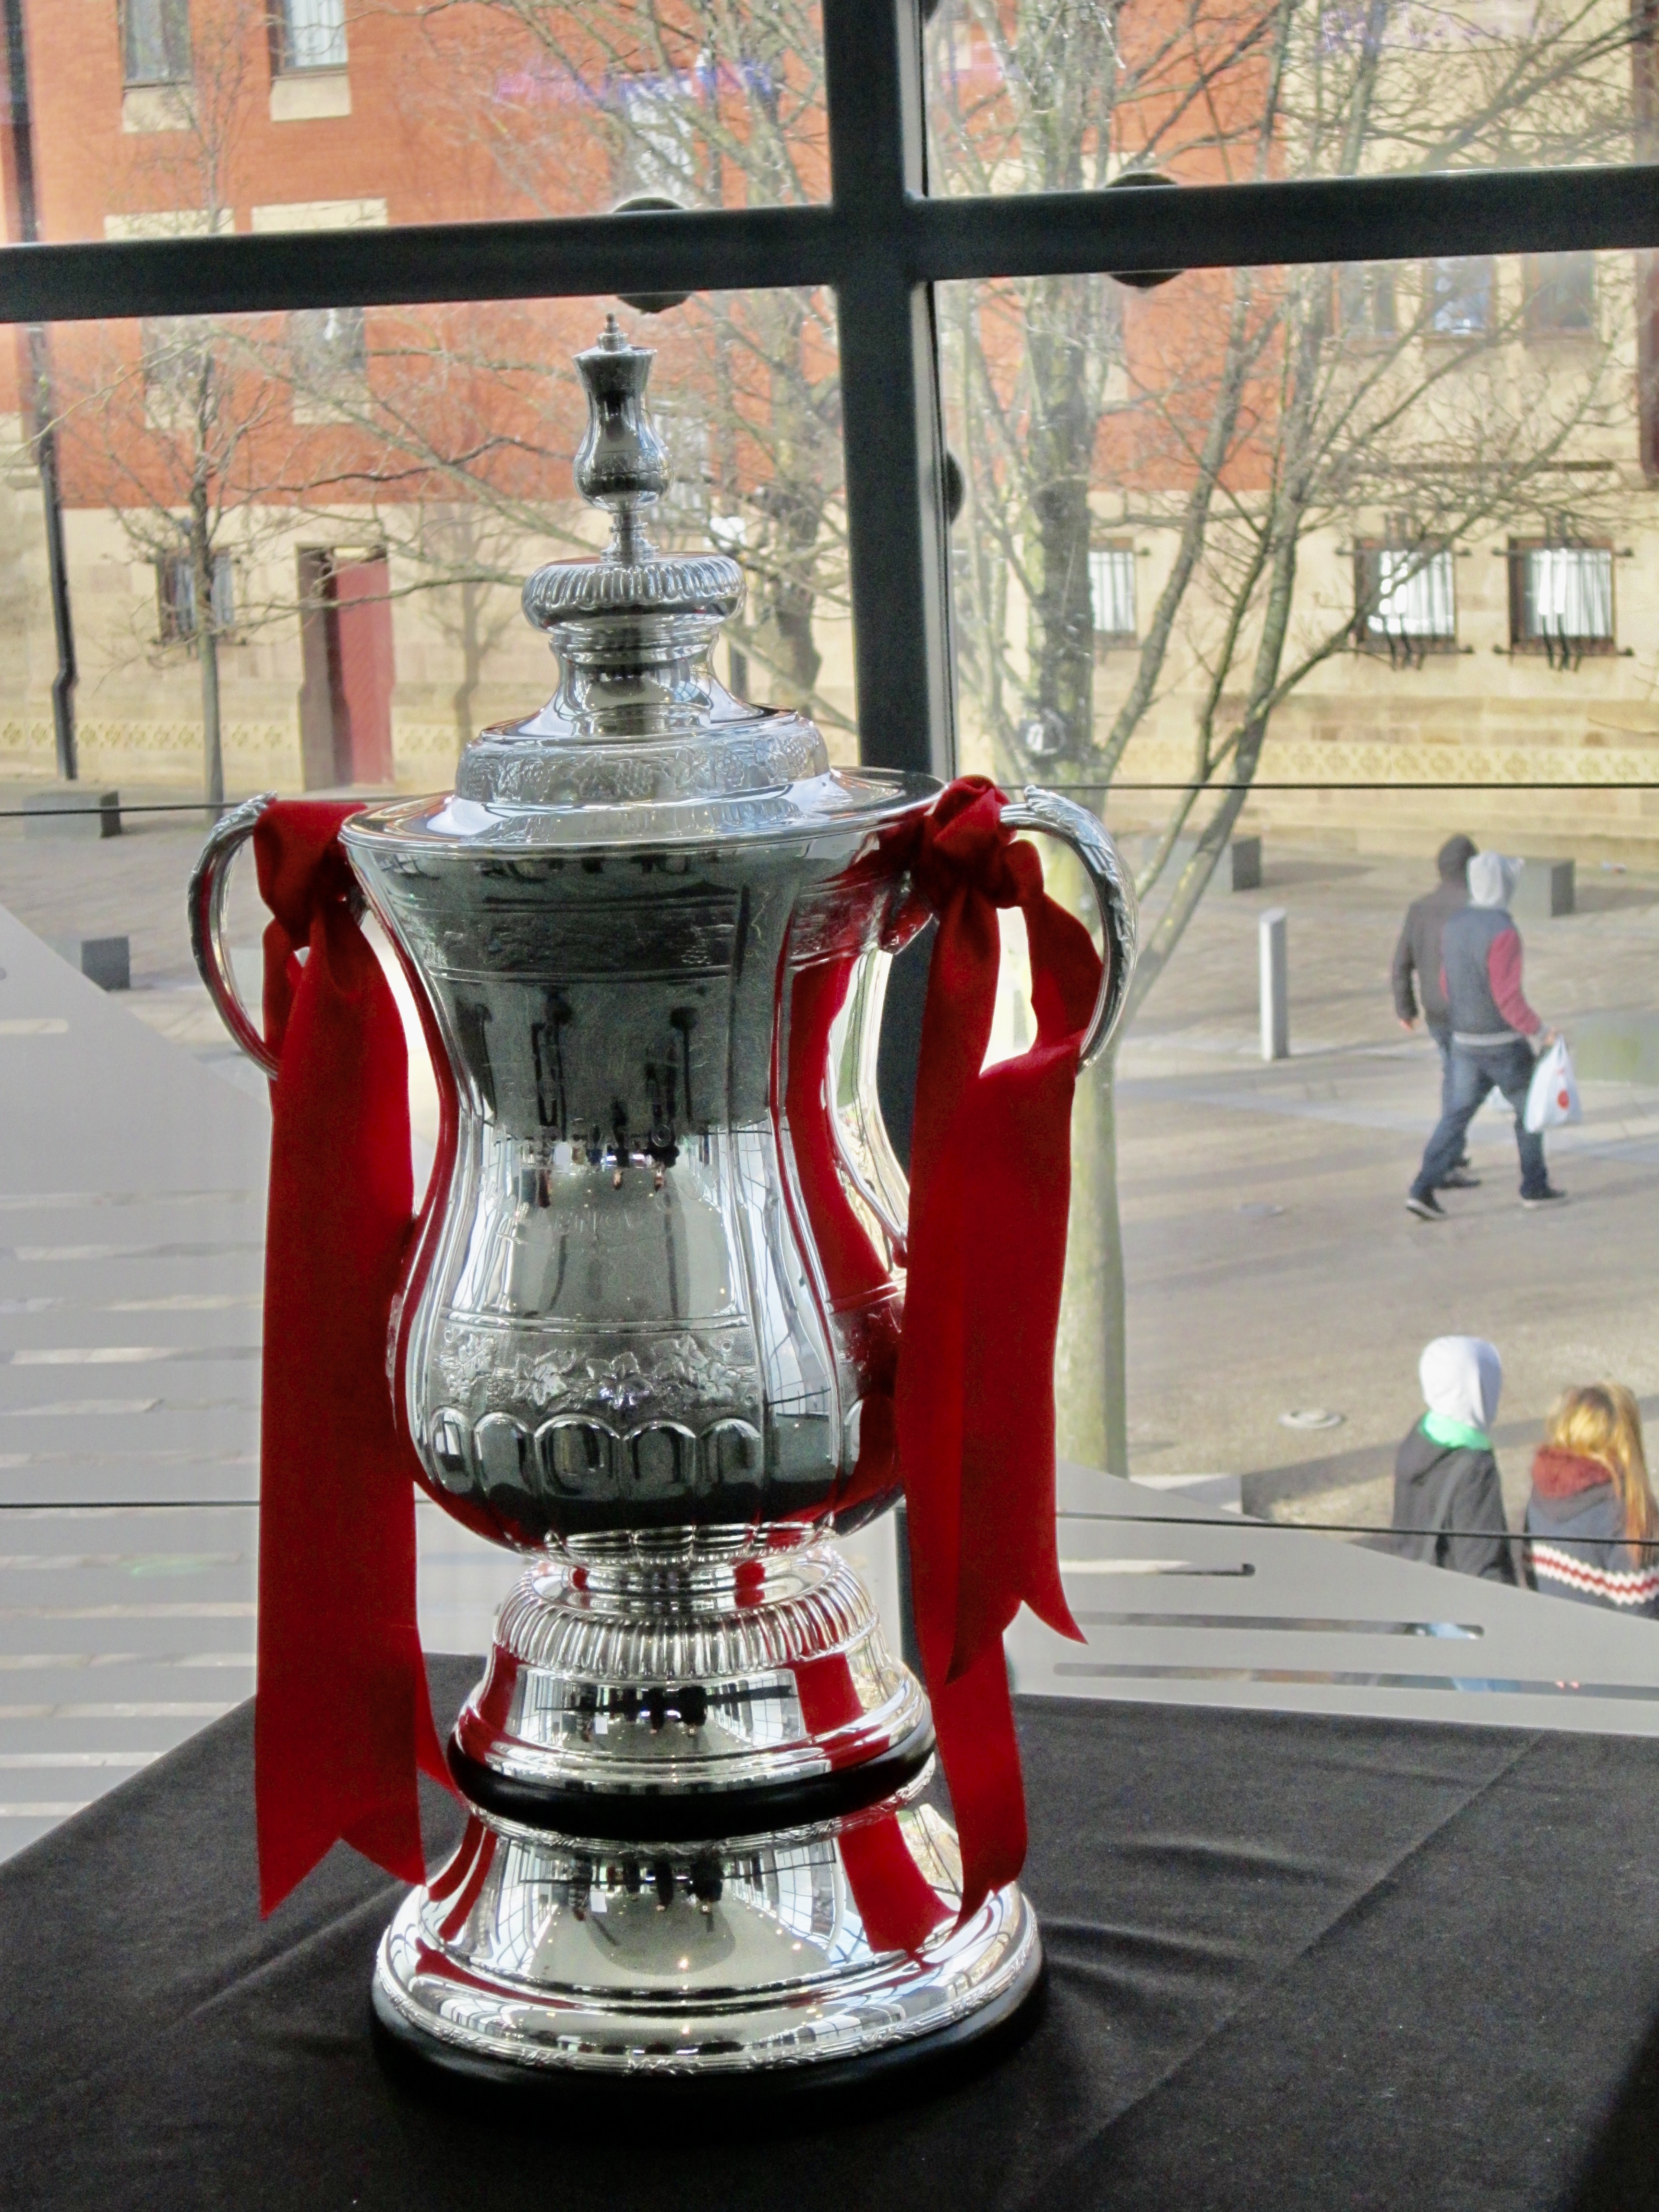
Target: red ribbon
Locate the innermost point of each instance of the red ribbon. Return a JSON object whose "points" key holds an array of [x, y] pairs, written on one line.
{"points": [[990, 1185], [342, 1716]]}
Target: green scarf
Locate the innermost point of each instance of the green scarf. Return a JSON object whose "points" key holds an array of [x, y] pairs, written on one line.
{"points": [[1455, 1436]]}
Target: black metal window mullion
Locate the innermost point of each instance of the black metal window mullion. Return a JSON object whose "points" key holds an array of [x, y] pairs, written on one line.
{"points": [[893, 433]]}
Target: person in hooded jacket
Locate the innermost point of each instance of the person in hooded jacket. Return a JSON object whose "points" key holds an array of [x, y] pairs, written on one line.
{"points": [[1492, 1031], [1448, 1504], [1592, 1523], [1415, 974]]}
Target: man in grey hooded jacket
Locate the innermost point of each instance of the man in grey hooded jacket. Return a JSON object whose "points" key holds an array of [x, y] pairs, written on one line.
{"points": [[1491, 1031]]}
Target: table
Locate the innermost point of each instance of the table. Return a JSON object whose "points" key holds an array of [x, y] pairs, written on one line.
{"points": [[1295, 1960]]}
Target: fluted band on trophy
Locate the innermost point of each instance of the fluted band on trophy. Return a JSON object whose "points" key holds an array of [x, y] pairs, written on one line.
{"points": [[668, 1319]]}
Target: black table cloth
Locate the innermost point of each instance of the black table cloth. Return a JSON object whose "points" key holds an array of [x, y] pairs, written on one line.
{"points": [[1293, 1961]]}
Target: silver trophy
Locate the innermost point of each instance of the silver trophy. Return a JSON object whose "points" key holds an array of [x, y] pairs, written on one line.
{"points": [[697, 1842]]}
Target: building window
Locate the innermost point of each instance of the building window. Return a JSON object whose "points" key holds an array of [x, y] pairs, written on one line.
{"points": [[1365, 303], [1405, 599], [156, 41], [175, 597], [1559, 292], [1461, 297], [1112, 593], [1561, 601], [176, 354], [310, 34], [327, 347], [663, 153]]}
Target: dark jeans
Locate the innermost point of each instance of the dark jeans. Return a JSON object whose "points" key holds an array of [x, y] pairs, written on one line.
{"points": [[1442, 1045], [1473, 1072]]}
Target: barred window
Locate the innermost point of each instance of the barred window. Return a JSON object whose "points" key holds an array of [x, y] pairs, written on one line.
{"points": [[1405, 594], [1561, 598], [1112, 592]]}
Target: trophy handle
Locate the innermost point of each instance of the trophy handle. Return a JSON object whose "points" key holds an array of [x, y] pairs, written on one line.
{"points": [[862, 1145], [208, 881], [1054, 816]]}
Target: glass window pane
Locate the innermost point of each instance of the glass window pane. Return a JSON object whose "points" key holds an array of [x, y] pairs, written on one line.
{"points": [[1033, 97], [312, 34], [163, 116], [155, 44], [1390, 582]]}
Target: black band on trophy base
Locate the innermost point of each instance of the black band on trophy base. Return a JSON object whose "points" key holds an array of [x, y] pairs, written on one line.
{"points": [[691, 1816]]}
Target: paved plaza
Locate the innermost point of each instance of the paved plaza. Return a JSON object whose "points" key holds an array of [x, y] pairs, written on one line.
{"points": [[1272, 1265]]}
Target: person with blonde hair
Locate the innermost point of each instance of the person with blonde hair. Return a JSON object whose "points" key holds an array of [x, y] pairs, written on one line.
{"points": [[1592, 1523]]}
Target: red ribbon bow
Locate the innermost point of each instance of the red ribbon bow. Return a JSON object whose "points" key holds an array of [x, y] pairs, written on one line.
{"points": [[343, 1717]]}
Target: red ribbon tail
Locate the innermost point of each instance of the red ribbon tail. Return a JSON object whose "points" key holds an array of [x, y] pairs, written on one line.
{"points": [[343, 1718], [974, 1717]]}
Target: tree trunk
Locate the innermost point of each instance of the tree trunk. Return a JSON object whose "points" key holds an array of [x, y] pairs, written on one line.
{"points": [[471, 663], [211, 746], [1090, 1364]]}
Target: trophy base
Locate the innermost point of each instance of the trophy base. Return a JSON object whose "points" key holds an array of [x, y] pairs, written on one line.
{"points": [[697, 1849], [534, 1956]]}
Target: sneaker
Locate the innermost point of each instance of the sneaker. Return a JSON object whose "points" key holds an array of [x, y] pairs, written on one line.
{"points": [[1533, 1200], [1461, 1178], [1425, 1205]]}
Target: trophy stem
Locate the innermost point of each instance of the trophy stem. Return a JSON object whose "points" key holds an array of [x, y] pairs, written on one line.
{"points": [[697, 1844]]}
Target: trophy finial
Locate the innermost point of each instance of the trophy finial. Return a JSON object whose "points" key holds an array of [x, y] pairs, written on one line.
{"points": [[621, 465]]}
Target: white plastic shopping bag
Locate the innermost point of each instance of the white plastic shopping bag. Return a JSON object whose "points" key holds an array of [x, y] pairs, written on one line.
{"points": [[1552, 1094]]}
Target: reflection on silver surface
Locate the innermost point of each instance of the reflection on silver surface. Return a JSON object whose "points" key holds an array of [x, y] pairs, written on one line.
{"points": [[742, 1957], [700, 1679]]}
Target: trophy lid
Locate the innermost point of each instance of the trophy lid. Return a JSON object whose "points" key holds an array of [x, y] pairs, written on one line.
{"points": [[641, 743]]}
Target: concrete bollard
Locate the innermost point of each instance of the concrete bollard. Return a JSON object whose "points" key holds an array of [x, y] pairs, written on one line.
{"points": [[105, 960], [1246, 855], [1275, 985]]}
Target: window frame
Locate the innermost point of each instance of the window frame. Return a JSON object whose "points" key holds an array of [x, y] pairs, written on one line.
{"points": [[1475, 333], [1114, 640], [282, 64], [1540, 276], [882, 243], [1563, 651], [184, 75], [170, 628], [1410, 648]]}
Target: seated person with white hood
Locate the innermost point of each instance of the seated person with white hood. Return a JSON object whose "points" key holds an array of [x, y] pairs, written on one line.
{"points": [[1447, 1507], [1491, 1030]]}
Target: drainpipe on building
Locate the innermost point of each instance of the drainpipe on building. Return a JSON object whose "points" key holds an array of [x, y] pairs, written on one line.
{"points": [[25, 228], [1645, 87]]}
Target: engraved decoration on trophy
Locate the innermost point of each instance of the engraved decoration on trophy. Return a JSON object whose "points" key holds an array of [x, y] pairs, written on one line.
{"points": [[647, 1335]]}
